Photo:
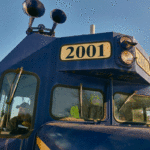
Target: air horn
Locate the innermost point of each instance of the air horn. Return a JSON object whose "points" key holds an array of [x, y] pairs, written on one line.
{"points": [[58, 16], [34, 9]]}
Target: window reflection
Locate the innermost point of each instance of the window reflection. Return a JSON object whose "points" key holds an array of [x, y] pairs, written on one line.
{"points": [[67, 104], [134, 108], [15, 118]]}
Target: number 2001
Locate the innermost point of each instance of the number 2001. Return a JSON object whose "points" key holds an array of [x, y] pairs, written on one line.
{"points": [[86, 51]]}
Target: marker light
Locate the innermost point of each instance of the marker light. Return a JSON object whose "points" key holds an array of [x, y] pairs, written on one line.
{"points": [[127, 57], [126, 42]]}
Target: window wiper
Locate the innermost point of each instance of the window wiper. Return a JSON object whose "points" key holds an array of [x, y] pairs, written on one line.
{"points": [[128, 99], [81, 99], [12, 94]]}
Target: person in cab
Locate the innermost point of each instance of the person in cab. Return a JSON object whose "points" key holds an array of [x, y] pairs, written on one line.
{"points": [[20, 124]]}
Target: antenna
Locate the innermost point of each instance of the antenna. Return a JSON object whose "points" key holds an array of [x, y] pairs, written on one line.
{"points": [[92, 29]]}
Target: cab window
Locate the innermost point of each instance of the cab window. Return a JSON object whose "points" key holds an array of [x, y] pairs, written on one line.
{"points": [[17, 97], [69, 103], [132, 107]]}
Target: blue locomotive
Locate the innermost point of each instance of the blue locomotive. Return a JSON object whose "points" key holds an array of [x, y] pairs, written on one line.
{"points": [[86, 92]]}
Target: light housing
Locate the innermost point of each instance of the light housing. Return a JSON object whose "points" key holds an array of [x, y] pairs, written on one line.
{"points": [[127, 57], [126, 42]]}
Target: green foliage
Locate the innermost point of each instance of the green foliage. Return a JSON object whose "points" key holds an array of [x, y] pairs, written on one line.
{"points": [[95, 99], [74, 112]]}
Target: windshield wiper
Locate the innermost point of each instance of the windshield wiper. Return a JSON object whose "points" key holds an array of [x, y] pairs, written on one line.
{"points": [[12, 94], [128, 99], [81, 102]]}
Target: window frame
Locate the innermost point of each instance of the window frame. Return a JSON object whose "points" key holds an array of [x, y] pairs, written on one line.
{"points": [[76, 87], [124, 122], [22, 136]]}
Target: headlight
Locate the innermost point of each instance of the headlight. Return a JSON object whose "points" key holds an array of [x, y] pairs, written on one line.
{"points": [[127, 57], [126, 42]]}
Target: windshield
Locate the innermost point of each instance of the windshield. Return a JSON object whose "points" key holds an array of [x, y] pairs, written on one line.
{"points": [[74, 104], [16, 115], [132, 107]]}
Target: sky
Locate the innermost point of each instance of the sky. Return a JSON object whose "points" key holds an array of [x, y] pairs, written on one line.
{"points": [[130, 17]]}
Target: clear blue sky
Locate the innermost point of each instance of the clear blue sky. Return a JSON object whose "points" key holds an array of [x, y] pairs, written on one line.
{"points": [[131, 17]]}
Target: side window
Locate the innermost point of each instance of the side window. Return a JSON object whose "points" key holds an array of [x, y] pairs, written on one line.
{"points": [[67, 104], [17, 111], [132, 107]]}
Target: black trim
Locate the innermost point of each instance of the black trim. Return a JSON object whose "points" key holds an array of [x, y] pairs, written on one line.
{"points": [[76, 87], [35, 102]]}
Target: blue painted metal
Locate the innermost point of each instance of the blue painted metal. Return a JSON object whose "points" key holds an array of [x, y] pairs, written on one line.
{"points": [[58, 135], [41, 54]]}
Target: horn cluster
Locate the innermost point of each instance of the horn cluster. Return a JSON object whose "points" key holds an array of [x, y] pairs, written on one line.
{"points": [[35, 9]]}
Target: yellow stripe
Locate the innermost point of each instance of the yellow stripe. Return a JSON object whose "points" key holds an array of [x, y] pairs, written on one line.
{"points": [[41, 144]]}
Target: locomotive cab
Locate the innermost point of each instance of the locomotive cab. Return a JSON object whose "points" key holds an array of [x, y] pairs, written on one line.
{"points": [[80, 92], [91, 92]]}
